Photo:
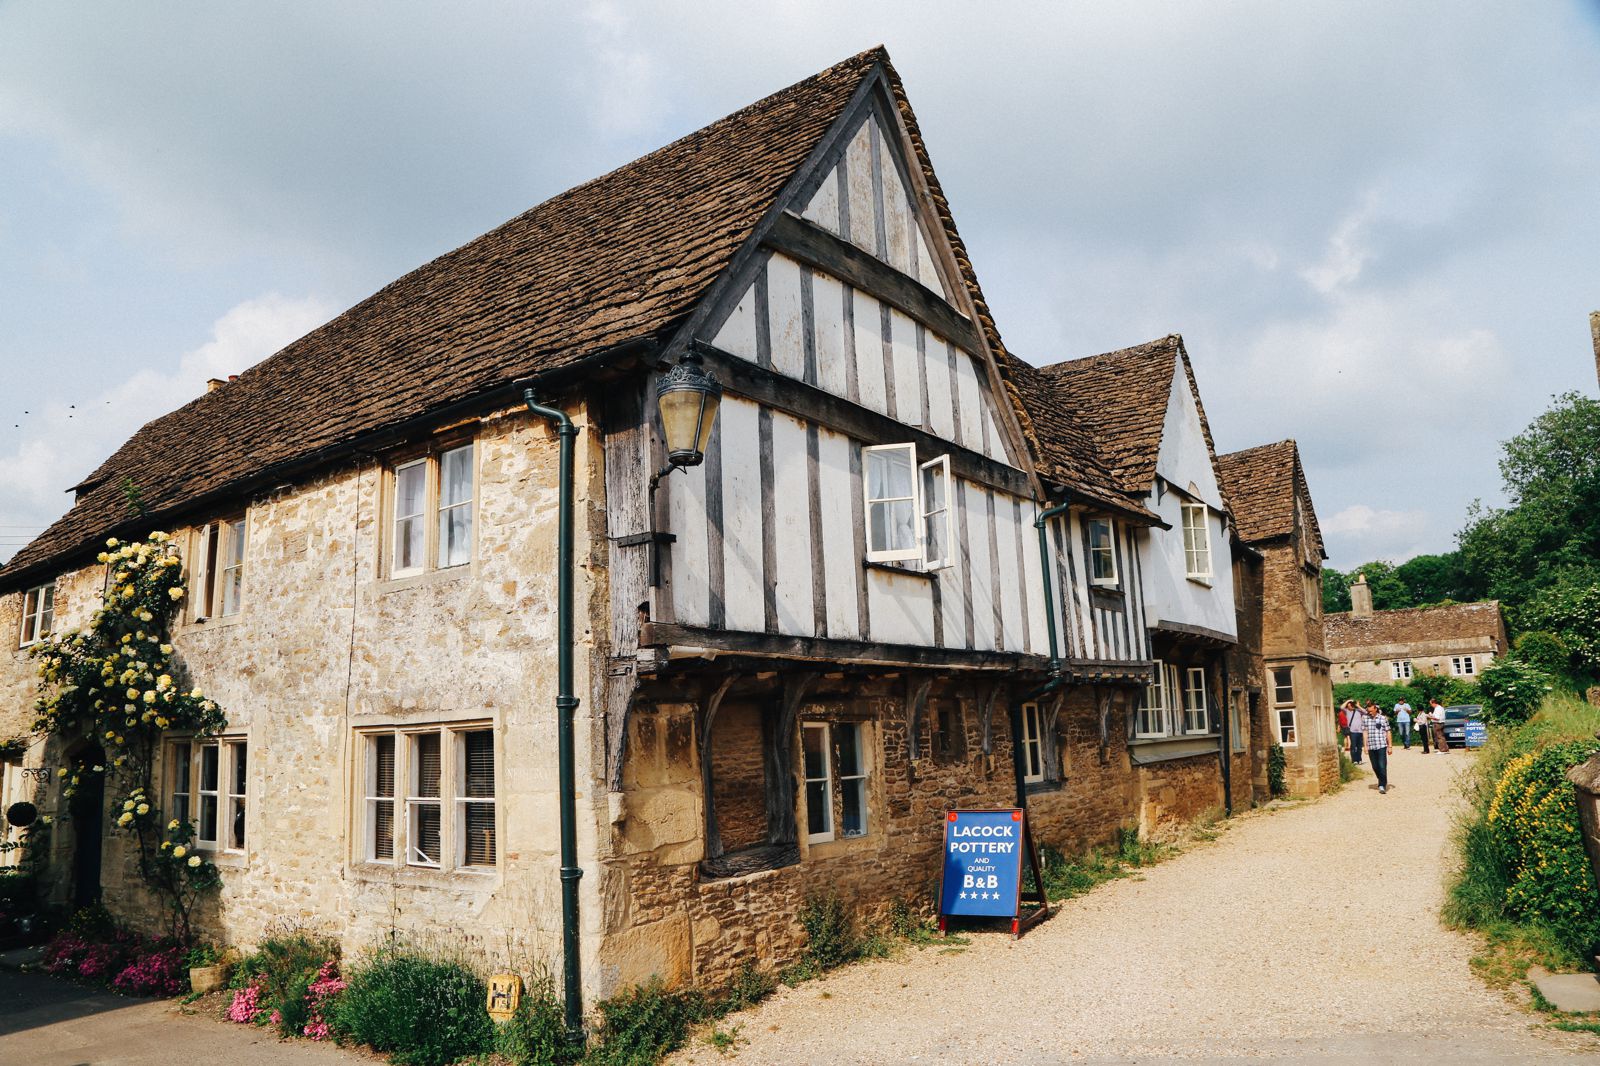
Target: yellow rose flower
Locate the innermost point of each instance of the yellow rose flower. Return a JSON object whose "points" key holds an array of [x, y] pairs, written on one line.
{"points": [[175, 592], [194, 860], [149, 697], [128, 806], [125, 819], [142, 809], [179, 852], [61, 772]]}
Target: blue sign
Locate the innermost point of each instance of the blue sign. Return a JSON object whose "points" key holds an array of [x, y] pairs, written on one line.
{"points": [[1477, 733], [982, 864]]}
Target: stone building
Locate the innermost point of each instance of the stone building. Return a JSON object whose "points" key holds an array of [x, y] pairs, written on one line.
{"points": [[901, 572], [1453, 639], [1274, 516]]}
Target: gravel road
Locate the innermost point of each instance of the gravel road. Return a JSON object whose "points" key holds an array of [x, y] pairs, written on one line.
{"points": [[1306, 934]]}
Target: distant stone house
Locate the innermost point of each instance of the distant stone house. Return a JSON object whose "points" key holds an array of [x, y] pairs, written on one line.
{"points": [[793, 656], [1455, 639], [1273, 514]]}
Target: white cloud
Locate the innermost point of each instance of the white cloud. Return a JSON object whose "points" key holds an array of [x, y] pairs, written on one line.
{"points": [[61, 443], [1378, 533]]}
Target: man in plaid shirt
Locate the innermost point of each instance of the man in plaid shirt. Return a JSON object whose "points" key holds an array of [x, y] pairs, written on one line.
{"points": [[1379, 745]]}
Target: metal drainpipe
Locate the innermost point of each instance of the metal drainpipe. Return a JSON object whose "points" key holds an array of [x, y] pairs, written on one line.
{"points": [[566, 705], [1227, 741]]}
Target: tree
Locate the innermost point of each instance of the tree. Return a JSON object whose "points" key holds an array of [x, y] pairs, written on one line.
{"points": [[1434, 579], [1335, 591], [1549, 534]]}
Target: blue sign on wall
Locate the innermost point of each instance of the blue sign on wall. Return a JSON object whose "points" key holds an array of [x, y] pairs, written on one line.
{"points": [[982, 864], [1477, 733]]}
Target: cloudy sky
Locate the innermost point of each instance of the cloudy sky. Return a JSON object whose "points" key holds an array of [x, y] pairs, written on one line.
{"points": [[1376, 225]]}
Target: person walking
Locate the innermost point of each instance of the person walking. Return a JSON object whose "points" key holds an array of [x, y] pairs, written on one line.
{"points": [[1357, 732], [1402, 722], [1423, 730], [1436, 713], [1379, 745]]}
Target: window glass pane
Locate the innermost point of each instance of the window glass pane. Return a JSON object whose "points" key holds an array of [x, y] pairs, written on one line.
{"points": [[849, 735], [382, 830], [933, 488], [410, 495], [455, 476], [208, 768], [425, 767], [815, 757], [233, 567], [889, 473], [854, 816], [478, 756], [182, 764], [818, 812], [478, 824], [425, 834], [383, 765], [236, 796], [455, 535], [381, 770], [208, 818], [47, 610]]}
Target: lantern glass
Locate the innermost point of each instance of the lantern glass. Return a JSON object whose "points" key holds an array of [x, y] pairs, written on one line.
{"points": [[688, 398]]}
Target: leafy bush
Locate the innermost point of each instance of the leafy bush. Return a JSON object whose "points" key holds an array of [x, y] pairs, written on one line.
{"points": [[157, 970], [283, 968], [1512, 690], [1545, 651], [420, 1010], [1348, 770], [1277, 763], [1362, 691], [536, 1035], [640, 1026], [831, 937], [1449, 691], [1533, 826]]}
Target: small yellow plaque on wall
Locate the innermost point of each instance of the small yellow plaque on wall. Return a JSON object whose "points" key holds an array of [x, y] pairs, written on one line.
{"points": [[505, 993]]}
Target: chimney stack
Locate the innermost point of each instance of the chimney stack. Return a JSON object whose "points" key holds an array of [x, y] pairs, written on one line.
{"points": [[213, 384], [1360, 597]]}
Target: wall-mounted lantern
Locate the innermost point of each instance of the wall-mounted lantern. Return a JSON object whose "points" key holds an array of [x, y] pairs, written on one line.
{"points": [[687, 398]]}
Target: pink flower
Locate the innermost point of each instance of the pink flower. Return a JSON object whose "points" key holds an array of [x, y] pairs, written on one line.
{"points": [[319, 994], [246, 1005]]}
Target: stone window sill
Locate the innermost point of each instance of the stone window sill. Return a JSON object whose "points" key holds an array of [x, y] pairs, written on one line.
{"points": [[212, 622], [422, 876], [449, 575], [899, 569]]}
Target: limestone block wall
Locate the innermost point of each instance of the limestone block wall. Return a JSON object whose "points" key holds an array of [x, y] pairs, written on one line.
{"points": [[1178, 791], [1429, 657], [326, 646]]}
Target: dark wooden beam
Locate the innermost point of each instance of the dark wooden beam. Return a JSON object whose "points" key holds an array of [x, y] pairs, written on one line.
{"points": [[837, 413], [823, 651], [815, 246]]}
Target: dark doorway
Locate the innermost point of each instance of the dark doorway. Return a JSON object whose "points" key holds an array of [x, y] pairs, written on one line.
{"points": [[87, 809]]}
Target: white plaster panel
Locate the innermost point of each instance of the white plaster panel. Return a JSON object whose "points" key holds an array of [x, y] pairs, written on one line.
{"points": [[983, 592], [841, 541], [783, 303], [792, 533], [741, 515], [941, 408], [827, 308], [824, 206], [907, 384], [858, 170], [738, 332], [686, 515], [869, 353], [900, 608]]}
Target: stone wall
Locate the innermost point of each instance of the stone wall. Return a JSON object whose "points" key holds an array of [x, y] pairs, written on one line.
{"points": [[662, 916], [1429, 657], [1178, 791], [324, 646]]}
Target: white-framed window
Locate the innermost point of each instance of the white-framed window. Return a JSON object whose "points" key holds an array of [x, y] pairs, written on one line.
{"points": [[378, 835], [938, 516], [208, 785], [909, 506], [475, 799], [429, 797], [1463, 665], [1153, 718], [1102, 551], [1196, 714], [1032, 744], [835, 761], [1400, 669], [216, 568], [818, 759], [432, 500], [1283, 705], [38, 614], [1197, 541]]}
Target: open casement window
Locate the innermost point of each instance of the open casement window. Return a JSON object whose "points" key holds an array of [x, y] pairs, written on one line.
{"points": [[910, 513], [1197, 541], [1102, 552], [216, 568], [1032, 741], [207, 785], [938, 516], [38, 614], [431, 512], [1196, 714]]}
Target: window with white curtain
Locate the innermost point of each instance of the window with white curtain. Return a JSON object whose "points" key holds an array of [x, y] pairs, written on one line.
{"points": [[431, 509], [910, 510]]}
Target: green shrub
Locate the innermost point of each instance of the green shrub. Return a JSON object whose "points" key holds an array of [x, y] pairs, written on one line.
{"points": [[1362, 691], [749, 986], [1533, 823], [537, 1034], [1348, 770], [418, 1009], [283, 967], [830, 932], [1512, 690], [1277, 763], [640, 1026], [1545, 651], [1449, 691]]}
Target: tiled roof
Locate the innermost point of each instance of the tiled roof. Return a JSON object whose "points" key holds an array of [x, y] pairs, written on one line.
{"points": [[1062, 449], [1346, 634], [1120, 400], [1260, 485], [622, 257]]}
